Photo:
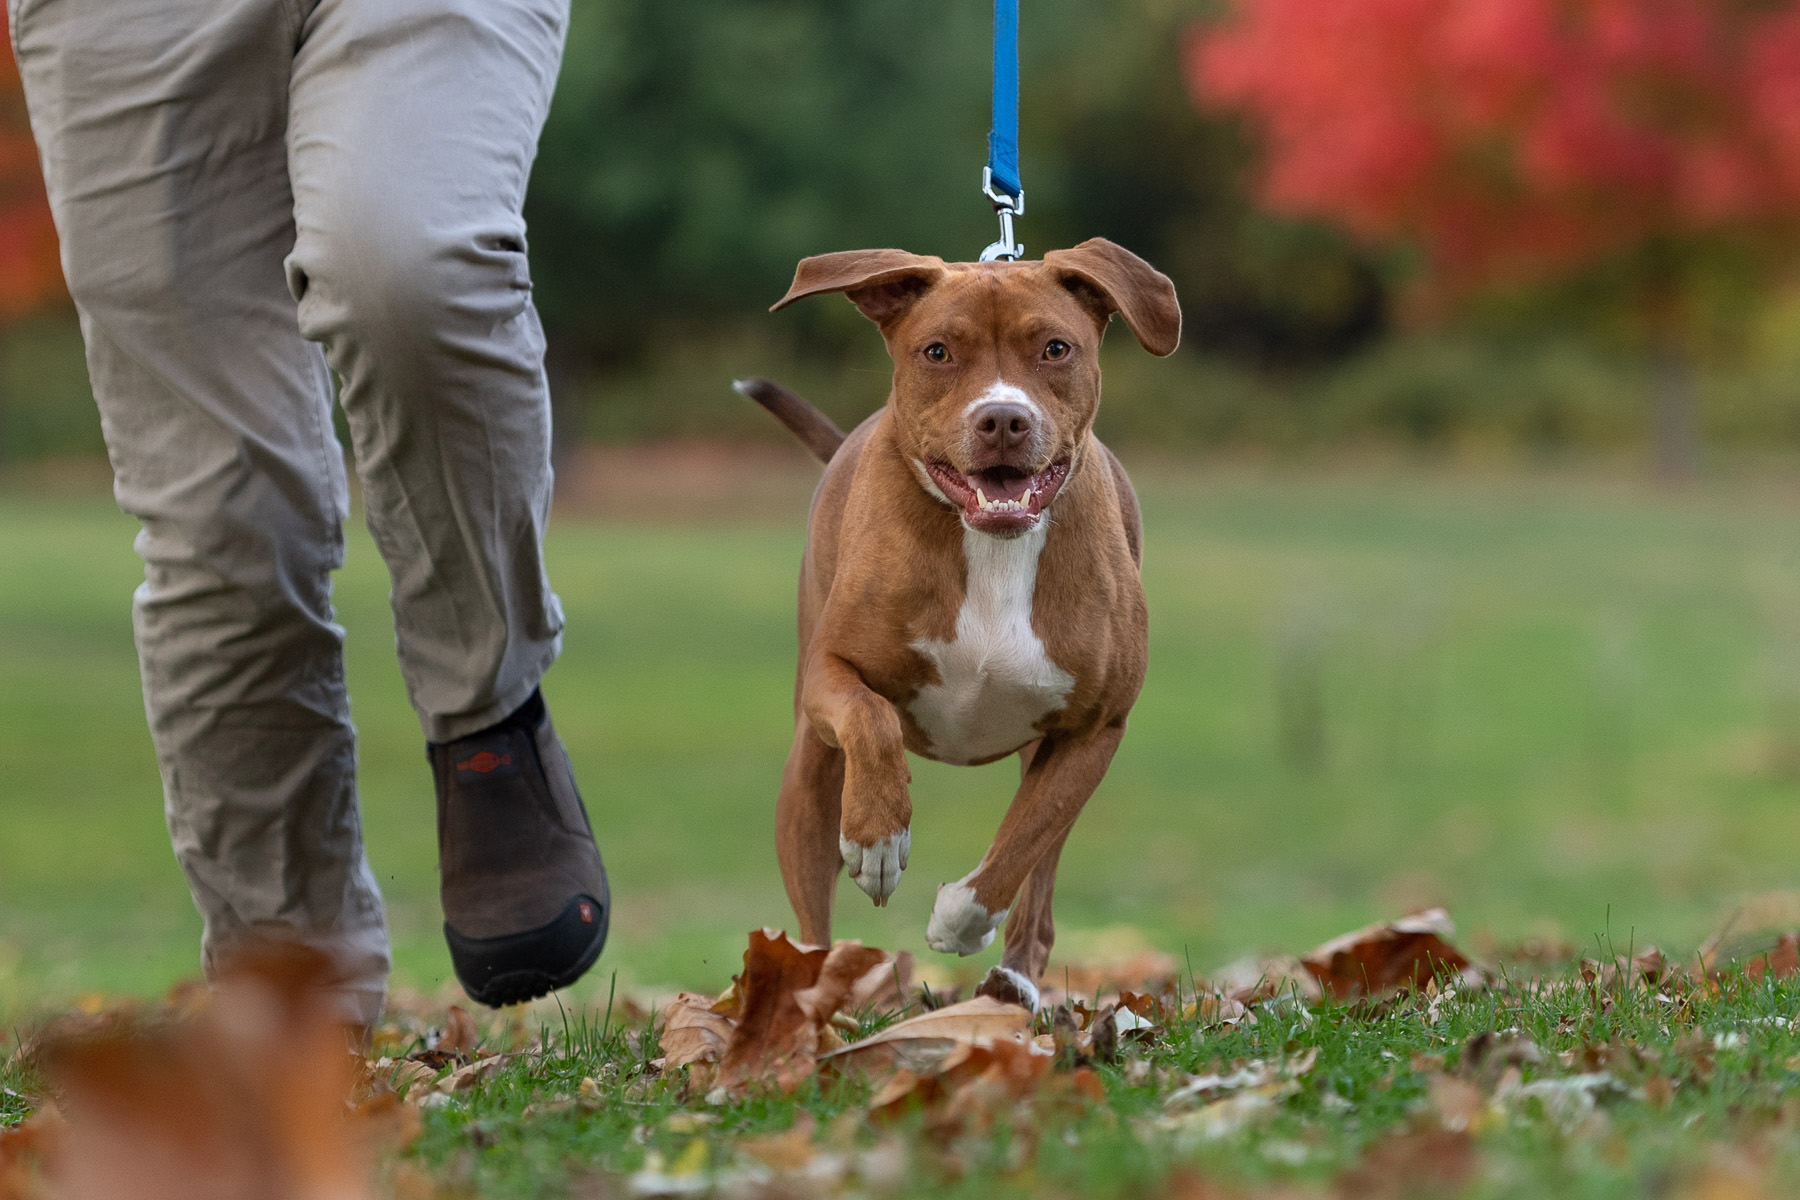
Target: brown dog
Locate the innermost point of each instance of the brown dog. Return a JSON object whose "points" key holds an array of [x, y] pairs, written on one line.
{"points": [[970, 586]]}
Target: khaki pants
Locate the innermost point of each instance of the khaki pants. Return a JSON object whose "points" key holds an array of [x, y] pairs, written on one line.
{"points": [[235, 181]]}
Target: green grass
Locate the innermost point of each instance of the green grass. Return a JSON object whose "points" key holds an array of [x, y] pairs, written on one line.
{"points": [[1562, 706], [1555, 704], [1689, 1093], [1728, 1059]]}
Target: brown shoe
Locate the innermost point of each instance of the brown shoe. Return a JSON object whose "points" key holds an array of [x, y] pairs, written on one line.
{"points": [[526, 903]]}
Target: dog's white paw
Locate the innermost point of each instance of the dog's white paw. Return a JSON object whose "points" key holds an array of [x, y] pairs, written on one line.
{"points": [[959, 925], [876, 869], [1009, 987]]}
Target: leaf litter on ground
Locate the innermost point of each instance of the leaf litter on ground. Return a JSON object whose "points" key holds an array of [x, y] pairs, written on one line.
{"points": [[882, 1093]]}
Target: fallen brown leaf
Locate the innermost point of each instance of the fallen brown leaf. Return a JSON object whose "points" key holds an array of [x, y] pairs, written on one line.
{"points": [[1648, 967], [1242, 1076], [777, 1017], [1186, 1184], [245, 1100], [464, 1078], [386, 1123], [847, 966], [692, 1031], [1380, 958], [922, 1043], [1252, 980], [1142, 969], [23, 1151], [1729, 1173], [1143, 1004], [776, 1036], [790, 1150], [968, 1088], [1781, 962], [1228, 1115], [407, 1077], [1457, 1103], [1423, 1162], [460, 1035], [884, 986]]}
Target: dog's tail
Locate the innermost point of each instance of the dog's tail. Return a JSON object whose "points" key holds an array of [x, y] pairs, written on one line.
{"points": [[815, 430]]}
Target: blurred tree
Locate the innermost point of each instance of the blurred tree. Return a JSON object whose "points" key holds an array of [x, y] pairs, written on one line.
{"points": [[1640, 155], [30, 273], [694, 152]]}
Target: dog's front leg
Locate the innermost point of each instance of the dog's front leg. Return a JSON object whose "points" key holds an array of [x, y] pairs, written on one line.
{"points": [[1063, 773], [874, 833], [806, 829]]}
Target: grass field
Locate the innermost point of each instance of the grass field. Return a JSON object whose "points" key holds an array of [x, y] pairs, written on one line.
{"points": [[1556, 704]]}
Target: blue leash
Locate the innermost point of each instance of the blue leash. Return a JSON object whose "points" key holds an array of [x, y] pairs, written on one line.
{"points": [[1000, 178]]}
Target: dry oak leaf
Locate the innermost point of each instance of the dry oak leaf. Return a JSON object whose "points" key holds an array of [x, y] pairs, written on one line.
{"points": [[409, 1077], [776, 1037], [1229, 1115], [924, 1043], [388, 1123], [780, 1009], [1650, 967], [1212, 1009], [464, 1078], [243, 1102], [970, 1085], [1458, 1104], [849, 968], [1252, 980], [791, 1150], [692, 1032], [1144, 968], [1781, 962], [1412, 1163], [1382, 957], [23, 1149], [460, 1035]]}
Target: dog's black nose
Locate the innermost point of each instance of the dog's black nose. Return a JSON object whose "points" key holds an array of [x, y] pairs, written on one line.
{"points": [[1002, 426]]}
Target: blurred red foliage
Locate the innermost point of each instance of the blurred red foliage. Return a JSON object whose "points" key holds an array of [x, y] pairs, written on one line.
{"points": [[30, 272], [1511, 139]]}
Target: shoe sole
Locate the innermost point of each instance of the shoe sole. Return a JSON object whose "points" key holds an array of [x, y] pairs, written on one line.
{"points": [[510, 969]]}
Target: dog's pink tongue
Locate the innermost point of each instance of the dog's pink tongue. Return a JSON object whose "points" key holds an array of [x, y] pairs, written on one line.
{"points": [[1011, 488]]}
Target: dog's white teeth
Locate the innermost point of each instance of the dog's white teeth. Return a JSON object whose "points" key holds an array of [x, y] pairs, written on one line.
{"points": [[1001, 506]]}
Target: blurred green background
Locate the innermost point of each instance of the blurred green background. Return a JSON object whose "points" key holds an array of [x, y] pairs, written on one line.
{"points": [[694, 152], [1426, 628], [1549, 701]]}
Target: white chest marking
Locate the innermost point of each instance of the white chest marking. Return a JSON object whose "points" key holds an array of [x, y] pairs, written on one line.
{"points": [[995, 679]]}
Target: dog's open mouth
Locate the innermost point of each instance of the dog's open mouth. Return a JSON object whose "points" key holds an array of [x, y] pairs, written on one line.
{"points": [[1000, 500]]}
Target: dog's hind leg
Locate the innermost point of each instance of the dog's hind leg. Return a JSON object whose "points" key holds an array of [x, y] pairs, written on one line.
{"points": [[1030, 929], [1062, 774], [1030, 932], [806, 830]]}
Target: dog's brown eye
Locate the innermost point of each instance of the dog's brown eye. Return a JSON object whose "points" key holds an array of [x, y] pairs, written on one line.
{"points": [[1056, 348], [937, 352]]}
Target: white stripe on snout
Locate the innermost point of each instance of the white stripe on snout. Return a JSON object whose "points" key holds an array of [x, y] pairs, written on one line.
{"points": [[1002, 392]]}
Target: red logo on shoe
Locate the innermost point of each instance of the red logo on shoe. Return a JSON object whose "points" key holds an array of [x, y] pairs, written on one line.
{"points": [[485, 762], [587, 914]]}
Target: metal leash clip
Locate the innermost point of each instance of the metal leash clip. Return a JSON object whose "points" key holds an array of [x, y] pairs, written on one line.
{"points": [[1007, 207]]}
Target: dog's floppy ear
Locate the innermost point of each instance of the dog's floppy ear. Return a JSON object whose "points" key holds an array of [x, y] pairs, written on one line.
{"points": [[882, 283], [1111, 279]]}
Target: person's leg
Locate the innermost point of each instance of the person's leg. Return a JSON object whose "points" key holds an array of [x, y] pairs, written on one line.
{"points": [[162, 130], [413, 127]]}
